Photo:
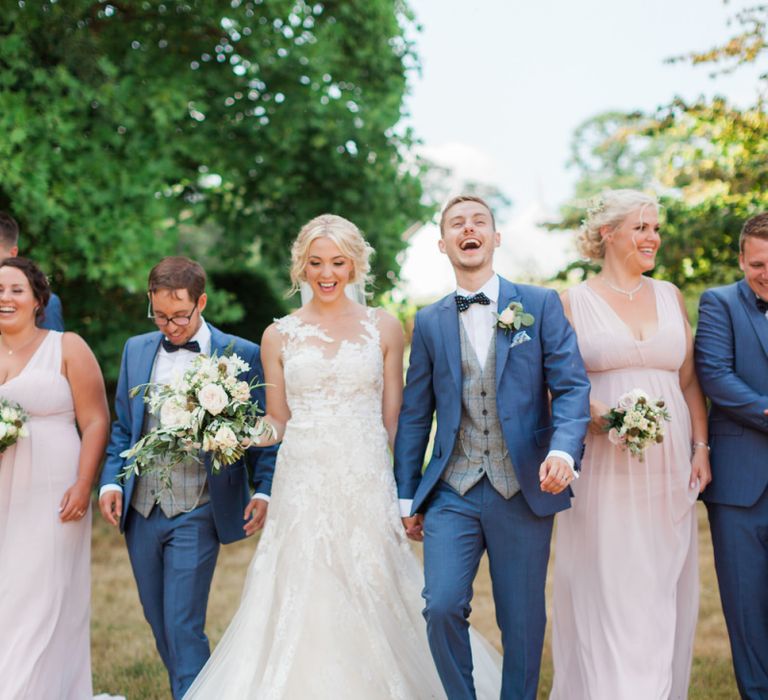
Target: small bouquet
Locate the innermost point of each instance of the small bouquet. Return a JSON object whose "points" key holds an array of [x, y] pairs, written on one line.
{"points": [[12, 419], [636, 422], [206, 409]]}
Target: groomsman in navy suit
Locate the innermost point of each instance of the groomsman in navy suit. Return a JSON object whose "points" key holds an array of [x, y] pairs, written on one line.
{"points": [[173, 534], [512, 407], [9, 248], [732, 364]]}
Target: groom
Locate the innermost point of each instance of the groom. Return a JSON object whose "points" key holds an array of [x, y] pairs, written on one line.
{"points": [[732, 365], [512, 405], [173, 535]]}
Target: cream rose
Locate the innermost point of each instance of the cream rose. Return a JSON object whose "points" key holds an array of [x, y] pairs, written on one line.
{"points": [[507, 317], [225, 438], [212, 398]]}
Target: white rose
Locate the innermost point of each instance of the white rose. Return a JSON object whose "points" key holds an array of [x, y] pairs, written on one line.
{"points": [[613, 436], [7, 415], [3, 430], [23, 432], [507, 317], [212, 398], [225, 438], [174, 415]]}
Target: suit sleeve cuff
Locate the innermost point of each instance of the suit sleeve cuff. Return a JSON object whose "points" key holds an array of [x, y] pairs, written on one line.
{"points": [[109, 487], [260, 497], [405, 506], [568, 460]]}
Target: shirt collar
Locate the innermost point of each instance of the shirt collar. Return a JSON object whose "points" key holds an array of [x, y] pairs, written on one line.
{"points": [[490, 289]]}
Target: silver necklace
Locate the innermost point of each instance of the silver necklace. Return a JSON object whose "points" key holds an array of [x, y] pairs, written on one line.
{"points": [[631, 293]]}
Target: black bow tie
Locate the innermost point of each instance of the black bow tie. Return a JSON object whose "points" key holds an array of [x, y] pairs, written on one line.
{"points": [[463, 303], [762, 306], [191, 345]]}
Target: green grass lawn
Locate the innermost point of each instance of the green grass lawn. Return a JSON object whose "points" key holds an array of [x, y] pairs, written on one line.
{"points": [[125, 660]]}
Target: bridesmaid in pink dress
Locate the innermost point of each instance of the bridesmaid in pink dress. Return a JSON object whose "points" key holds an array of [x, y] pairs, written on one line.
{"points": [[45, 489], [626, 571]]}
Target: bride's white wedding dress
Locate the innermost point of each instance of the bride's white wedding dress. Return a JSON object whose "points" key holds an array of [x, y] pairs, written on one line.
{"points": [[331, 606]]}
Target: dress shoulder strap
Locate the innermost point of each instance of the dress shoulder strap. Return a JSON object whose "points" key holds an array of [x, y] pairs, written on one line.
{"points": [[48, 355]]}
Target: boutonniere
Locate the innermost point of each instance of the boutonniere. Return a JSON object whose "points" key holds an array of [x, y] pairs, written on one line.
{"points": [[513, 318]]}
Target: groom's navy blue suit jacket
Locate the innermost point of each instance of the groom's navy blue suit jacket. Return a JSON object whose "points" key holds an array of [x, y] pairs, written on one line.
{"points": [[528, 373], [229, 489], [732, 366]]}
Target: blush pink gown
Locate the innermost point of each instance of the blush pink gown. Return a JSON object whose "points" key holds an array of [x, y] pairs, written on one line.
{"points": [[44, 563], [625, 573]]}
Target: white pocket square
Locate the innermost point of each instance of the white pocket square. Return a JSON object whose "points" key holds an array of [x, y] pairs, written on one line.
{"points": [[519, 337]]}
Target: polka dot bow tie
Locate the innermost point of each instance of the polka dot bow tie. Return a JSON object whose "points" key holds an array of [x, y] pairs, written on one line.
{"points": [[463, 303]]}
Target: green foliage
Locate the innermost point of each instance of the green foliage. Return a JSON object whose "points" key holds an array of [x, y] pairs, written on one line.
{"points": [[708, 161], [137, 129]]}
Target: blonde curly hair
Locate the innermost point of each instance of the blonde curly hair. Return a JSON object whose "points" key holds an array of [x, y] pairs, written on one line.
{"points": [[345, 235], [609, 209]]}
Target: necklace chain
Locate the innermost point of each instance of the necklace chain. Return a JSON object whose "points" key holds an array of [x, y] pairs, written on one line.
{"points": [[10, 351], [631, 293]]}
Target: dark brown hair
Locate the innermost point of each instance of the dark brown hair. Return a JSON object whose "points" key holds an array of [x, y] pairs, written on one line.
{"points": [[756, 227], [38, 282], [9, 230], [177, 272], [458, 199]]}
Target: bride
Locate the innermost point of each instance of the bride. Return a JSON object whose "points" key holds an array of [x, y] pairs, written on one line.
{"points": [[331, 605]]}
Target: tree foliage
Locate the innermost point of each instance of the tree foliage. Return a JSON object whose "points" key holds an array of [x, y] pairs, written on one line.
{"points": [[708, 160], [142, 128]]}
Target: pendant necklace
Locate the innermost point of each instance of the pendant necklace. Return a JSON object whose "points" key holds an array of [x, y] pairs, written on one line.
{"points": [[631, 293], [10, 351]]}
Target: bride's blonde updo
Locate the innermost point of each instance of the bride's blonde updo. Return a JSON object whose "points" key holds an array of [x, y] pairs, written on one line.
{"points": [[345, 235], [608, 209]]}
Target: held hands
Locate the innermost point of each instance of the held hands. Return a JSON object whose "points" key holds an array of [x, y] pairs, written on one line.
{"points": [[597, 411], [74, 504], [554, 475], [414, 527], [255, 516], [111, 506]]}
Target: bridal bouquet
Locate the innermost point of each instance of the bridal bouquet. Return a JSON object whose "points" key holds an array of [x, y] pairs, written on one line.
{"points": [[12, 419], [636, 422], [207, 408]]}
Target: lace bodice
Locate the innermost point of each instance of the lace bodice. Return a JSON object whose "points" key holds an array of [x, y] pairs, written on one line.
{"points": [[327, 380]]}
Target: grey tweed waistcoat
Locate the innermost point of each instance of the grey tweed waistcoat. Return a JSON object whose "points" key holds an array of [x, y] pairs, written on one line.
{"points": [[188, 490], [479, 449]]}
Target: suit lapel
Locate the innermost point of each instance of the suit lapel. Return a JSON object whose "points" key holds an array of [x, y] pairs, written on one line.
{"points": [[507, 293], [758, 320], [144, 363], [449, 328]]}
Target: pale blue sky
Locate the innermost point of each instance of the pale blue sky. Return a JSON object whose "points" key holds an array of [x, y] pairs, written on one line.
{"points": [[505, 83]]}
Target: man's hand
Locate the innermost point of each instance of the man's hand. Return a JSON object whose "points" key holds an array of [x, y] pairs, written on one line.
{"points": [[554, 475], [255, 516], [414, 527], [111, 506]]}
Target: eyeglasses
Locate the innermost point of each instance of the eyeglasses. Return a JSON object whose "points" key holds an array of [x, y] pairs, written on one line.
{"points": [[162, 320]]}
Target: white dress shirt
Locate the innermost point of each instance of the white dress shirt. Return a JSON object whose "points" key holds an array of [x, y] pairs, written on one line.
{"points": [[479, 322], [168, 366]]}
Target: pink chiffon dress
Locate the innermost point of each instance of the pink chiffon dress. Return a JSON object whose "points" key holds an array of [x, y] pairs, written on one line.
{"points": [[625, 572], [45, 584]]}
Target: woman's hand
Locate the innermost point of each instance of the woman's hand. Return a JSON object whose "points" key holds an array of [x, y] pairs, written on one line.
{"points": [[74, 504], [700, 469], [597, 409]]}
